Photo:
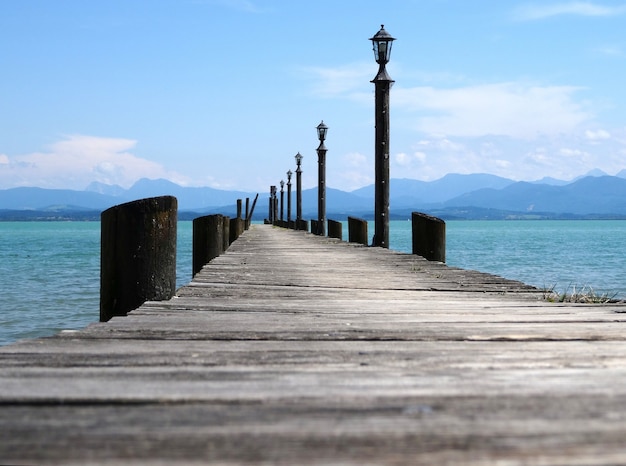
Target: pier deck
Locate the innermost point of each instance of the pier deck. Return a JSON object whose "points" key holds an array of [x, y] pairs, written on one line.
{"points": [[296, 349]]}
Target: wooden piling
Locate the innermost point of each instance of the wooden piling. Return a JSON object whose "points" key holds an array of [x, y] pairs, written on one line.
{"points": [[137, 255], [429, 237], [335, 229], [226, 233], [302, 225], [236, 229], [357, 231], [208, 240]]}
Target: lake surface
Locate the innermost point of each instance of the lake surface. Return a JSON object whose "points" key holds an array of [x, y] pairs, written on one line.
{"points": [[50, 271]]}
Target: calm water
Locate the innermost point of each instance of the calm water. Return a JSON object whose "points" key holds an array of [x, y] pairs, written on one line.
{"points": [[50, 271]]}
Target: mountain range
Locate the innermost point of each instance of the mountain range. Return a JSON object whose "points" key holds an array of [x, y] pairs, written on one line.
{"points": [[596, 195]]}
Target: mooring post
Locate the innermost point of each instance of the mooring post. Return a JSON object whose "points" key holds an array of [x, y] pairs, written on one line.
{"points": [[357, 230], [302, 225], [226, 233], [236, 229], [429, 237], [208, 241], [247, 225], [137, 254], [335, 229], [239, 207]]}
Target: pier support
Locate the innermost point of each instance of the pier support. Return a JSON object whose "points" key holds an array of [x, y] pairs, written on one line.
{"points": [[138, 255], [208, 240], [429, 237], [357, 231]]}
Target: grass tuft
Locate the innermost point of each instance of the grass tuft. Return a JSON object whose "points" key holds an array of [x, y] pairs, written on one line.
{"points": [[584, 294]]}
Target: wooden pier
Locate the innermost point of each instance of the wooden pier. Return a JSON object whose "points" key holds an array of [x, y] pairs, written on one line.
{"points": [[293, 349]]}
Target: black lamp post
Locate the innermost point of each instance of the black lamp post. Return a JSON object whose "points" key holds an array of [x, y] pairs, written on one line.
{"points": [[322, 129], [299, 158], [382, 42], [282, 199], [275, 204], [289, 173], [271, 204]]}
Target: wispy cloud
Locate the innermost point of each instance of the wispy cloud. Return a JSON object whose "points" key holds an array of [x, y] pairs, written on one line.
{"points": [[538, 11], [505, 109], [611, 51], [240, 5], [344, 81], [76, 161]]}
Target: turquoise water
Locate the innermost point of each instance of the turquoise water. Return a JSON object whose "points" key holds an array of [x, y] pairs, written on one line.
{"points": [[50, 271]]}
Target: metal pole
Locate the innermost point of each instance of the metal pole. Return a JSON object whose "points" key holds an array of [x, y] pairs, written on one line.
{"points": [[382, 84], [282, 199], [321, 190], [269, 214], [298, 190], [289, 173], [382, 42]]}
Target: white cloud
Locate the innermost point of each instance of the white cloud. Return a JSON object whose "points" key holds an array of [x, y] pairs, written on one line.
{"points": [[240, 5], [78, 160], [507, 109], [344, 81], [351, 171], [4, 159], [536, 11], [611, 50], [597, 135], [406, 160]]}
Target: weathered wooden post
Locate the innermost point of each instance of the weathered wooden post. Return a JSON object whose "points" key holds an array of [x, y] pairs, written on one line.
{"points": [[429, 237], [314, 226], [208, 241], [247, 225], [137, 254], [357, 230], [239, 207], [237, 227], [335, 229], [249, 216], [226, 233], [302, 225]]}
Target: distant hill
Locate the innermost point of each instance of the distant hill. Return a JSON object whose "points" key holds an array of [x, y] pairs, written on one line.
{"points": [[590, 195], [453, 196], [407, 192]]}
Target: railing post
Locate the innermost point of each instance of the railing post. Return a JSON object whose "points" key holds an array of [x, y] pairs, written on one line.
{"points": [[208, 241], [429, 237], [357, 231], [335, 229], [137, 254]]}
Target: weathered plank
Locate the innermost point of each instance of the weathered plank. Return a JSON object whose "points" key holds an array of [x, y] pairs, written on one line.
{"points": [[297, 349]]}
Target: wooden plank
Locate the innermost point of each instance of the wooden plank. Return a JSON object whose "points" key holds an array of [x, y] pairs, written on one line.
{"points": [[297, 349]]}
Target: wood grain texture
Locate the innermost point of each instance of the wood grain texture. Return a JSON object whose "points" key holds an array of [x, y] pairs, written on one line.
{"points": [[296, 349]]}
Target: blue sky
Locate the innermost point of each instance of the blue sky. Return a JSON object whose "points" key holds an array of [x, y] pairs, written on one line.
{"points": [[224, 93]]}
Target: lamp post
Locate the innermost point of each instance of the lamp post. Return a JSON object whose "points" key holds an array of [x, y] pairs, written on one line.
{"points": [[382, 42], [271, 205], [275, 204], [289, 173], [299, 158], [282, 200], [322, 129]]}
